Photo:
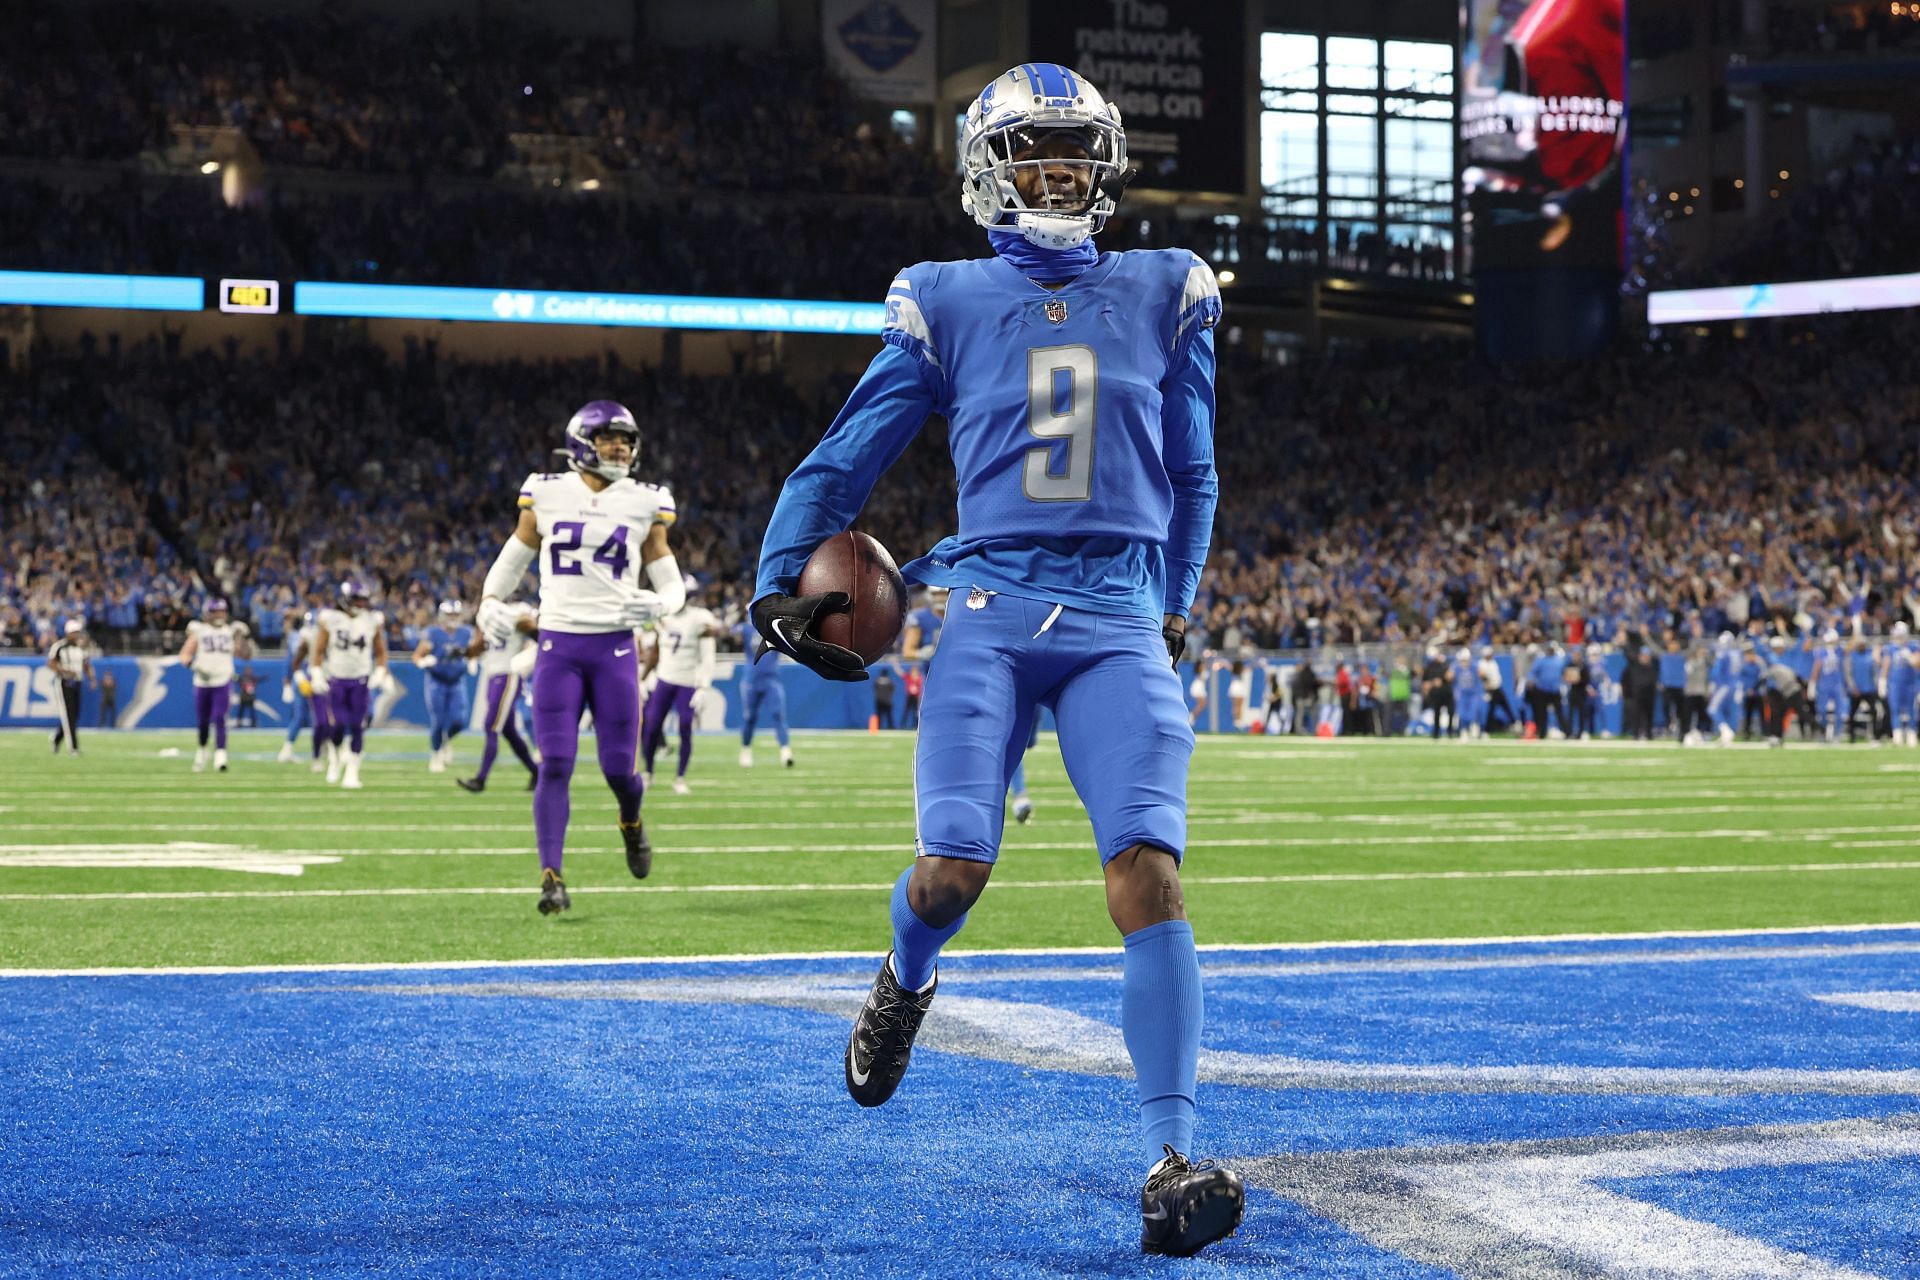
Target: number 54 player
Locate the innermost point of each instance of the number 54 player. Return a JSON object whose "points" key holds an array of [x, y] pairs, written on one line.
{"points": [[1078, 388]]}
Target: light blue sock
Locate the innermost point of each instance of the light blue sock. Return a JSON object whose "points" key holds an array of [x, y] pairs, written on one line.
{"points": [[916, 944], [1160, 1014]]}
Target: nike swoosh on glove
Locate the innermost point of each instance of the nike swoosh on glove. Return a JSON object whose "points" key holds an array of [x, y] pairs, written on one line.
{"points": [[788, 624]]}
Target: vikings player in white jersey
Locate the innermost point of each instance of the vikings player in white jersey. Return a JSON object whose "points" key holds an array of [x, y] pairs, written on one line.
{"points": [[605, 569], [213, 642], [500, 686], [683, 661], [351, 645]]}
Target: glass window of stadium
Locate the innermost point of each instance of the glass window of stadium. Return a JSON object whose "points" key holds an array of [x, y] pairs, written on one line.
{"points": [[1356, 152]]}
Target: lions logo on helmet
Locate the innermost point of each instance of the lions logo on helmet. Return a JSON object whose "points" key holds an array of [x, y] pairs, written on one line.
{"points": [[1008, 119], [599, 417]]}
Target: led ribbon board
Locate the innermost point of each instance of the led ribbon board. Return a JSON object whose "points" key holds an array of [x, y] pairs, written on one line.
{"points": [[1796, 298], [625, 310], [129, 293]]}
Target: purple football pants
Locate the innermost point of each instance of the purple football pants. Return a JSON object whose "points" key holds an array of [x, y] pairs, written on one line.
{"points": [[503, 691], [599, 673], [349, 698], [667, 696], [321, 705], [210, 711]]}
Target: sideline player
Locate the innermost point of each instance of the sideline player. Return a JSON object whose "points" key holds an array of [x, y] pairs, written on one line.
{"points": [[1078, 387], [212, 644], [602, 533], [761, 694], [351, 643], [1900, 674], [442, 654], [683, 662], [1828, 681], [501, 685]]}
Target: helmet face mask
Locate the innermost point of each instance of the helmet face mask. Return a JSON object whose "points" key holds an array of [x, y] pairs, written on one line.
{"points": [[1009, 122], [595, 420]]}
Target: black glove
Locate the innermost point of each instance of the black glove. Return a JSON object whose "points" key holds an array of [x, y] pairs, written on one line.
{"points": [[787, 623], [1175, 634]]}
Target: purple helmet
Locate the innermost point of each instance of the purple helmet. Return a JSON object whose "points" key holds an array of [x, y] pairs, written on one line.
{"points": [[215, 604], [594, 418], [355, 594]]}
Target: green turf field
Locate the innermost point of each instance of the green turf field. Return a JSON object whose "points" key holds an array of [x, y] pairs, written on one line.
{"points": [[1291, 840]]}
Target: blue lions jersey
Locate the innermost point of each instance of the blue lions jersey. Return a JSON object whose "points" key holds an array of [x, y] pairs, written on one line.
{"points": [[450, 648], [762, 663], [1830, 661], [1726, 669], [1080, 420], [929, 623]]}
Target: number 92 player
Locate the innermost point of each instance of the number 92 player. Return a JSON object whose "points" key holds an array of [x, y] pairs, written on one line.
{"points": [[603, 534], [1078, 389]]}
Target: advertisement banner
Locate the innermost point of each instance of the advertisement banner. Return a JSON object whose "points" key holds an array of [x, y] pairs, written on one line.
{"points": [[1177, 73], [622, 310], [882, 49], [1543, 131]]}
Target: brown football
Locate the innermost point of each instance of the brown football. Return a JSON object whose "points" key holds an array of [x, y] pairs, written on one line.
{"points": [[854, 563]]}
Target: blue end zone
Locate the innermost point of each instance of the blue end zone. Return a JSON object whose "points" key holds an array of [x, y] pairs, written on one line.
{"points": [[689, 1118]]}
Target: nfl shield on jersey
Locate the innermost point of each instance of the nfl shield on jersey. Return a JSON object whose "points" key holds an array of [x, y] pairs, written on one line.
{"points": [[590, 547]]}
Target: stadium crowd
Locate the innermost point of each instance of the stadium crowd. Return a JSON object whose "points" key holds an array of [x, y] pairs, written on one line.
{"points": [[357, 92], [1394, 495]]}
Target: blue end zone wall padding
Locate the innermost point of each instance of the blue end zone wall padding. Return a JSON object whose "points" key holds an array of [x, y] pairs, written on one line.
{"points": [[690, 1118]]}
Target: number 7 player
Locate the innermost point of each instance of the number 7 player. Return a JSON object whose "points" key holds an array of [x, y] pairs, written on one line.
{"points": [[1078, 387]]}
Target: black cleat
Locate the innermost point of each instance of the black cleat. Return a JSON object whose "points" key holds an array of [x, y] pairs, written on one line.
{"points": [[474, 785], [639, 852], [553, 893], [882, 1038], [1186, 1207]]}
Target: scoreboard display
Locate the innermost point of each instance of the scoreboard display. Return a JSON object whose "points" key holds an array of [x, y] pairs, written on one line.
{"points": [[250, 297]]}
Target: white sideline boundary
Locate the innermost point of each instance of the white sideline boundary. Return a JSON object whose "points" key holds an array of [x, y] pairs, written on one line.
{"points": [[583, 962]]}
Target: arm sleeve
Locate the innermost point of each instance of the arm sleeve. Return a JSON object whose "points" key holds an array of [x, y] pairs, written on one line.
{"points": [[827, 490], [1187, 427], [515, 558]]}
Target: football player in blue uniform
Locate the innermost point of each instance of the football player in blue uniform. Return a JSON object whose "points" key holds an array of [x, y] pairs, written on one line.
{"points": [[762, 696], [1078, 389], [442, 654], [1829, 683]]}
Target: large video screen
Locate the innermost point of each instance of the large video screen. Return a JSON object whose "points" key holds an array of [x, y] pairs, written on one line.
{"points": [[1543, 131]]}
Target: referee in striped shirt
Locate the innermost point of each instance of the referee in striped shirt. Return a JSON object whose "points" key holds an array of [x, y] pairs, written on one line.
{"points": [[70, 662]]}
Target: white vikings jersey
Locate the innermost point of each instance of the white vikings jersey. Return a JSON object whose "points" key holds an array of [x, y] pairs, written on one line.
{"points": [[213, 656], [590, 547], [350, 637], [499, 655], [679, 639]]}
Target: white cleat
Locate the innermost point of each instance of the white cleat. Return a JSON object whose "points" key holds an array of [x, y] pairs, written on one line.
{"points": [[746, 757], [200, 760], [220, 759], [286, 754], [1726, 735], [786, 756], [351, 780], [680, 787], [436, 763], [336, 762]]}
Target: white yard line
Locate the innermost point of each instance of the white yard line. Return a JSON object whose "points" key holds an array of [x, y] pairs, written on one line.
{"points": [[1330, 877], [581, 962]]}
